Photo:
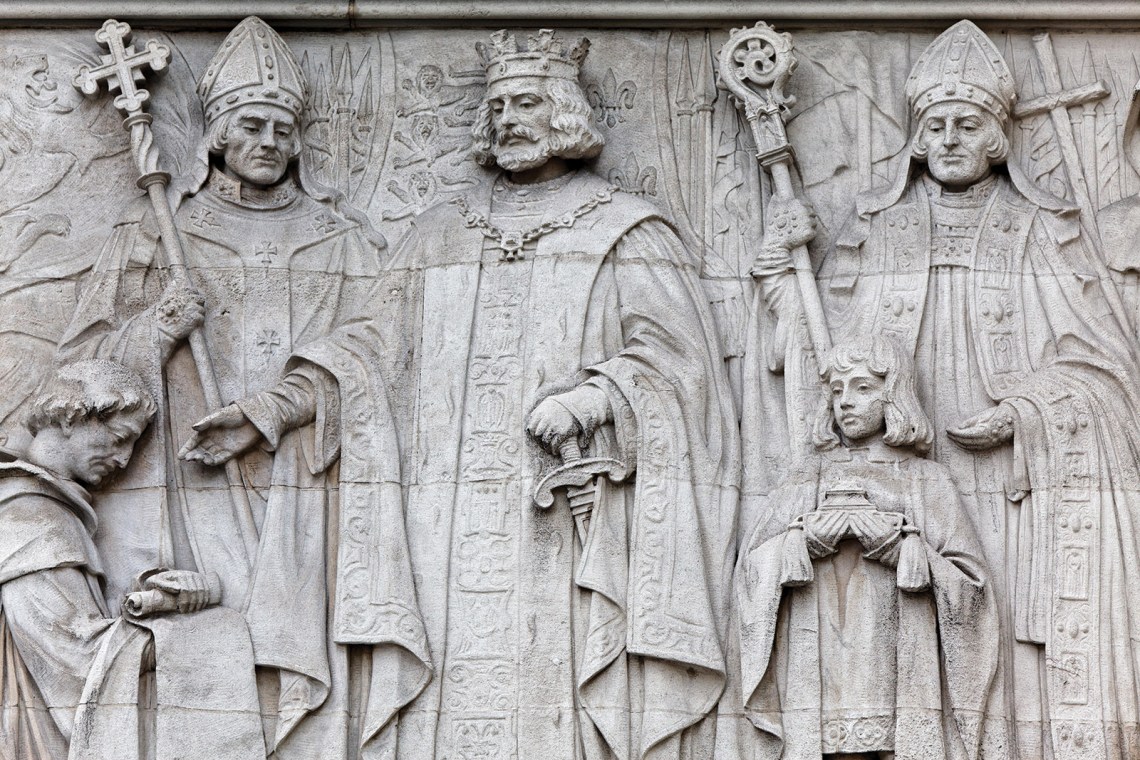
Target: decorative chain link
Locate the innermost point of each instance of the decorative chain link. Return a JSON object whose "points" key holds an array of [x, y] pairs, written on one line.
{"points": [[510, 242]]}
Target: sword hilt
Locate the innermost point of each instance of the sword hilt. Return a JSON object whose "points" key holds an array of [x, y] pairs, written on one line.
{"points": [[581, 497], [569, 450]]}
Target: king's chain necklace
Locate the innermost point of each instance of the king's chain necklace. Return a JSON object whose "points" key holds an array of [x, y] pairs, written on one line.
{"points": [[510, 242]]}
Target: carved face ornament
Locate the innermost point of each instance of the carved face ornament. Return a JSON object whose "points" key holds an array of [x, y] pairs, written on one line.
{"points": [[520, 114], [429, 79], [259, 144], [857, 402], [958, 139], [98, 447], [40, 87]]}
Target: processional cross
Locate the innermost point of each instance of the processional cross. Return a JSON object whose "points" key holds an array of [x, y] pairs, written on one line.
{"points": [[122, 69]]}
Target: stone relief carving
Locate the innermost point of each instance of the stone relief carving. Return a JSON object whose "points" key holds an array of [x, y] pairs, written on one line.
{"points": [[44, 241], [609, 99], [862, 537], [504, 383], [77, 674], [995, 287], [466, 394]]}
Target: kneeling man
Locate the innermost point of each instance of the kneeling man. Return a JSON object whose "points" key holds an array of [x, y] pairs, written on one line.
{"points": [[69, 670]]}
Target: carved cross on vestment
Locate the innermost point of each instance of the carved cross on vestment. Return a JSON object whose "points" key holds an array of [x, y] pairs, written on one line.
{"points": [[268, 341], [122, 66], [266, 251]]}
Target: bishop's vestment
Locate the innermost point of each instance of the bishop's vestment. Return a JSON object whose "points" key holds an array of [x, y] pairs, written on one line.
{"points": [[282, 274], [993, 292]]}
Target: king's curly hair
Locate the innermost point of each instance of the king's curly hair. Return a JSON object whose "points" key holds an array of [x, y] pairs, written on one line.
{"points": [[573, 134], [907, 425], [89, 389]]}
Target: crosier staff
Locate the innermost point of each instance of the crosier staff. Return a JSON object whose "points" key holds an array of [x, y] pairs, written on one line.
{"points": [[122, 69], [755, 64]]}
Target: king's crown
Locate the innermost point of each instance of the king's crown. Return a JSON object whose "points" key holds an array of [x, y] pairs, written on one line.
{"points": [[542, 56]]}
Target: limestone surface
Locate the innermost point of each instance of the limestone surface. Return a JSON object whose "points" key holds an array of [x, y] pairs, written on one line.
{"points": [[666, 385]]}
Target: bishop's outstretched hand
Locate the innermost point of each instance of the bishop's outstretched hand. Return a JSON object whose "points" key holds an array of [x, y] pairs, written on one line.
{"points": [[220, 437]]}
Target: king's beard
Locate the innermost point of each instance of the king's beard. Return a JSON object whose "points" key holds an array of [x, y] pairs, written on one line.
{"points": [[521, 158]]}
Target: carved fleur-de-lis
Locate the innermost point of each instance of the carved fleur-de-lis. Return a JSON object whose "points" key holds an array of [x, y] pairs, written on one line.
{"points": [[609, 99], [632, 179]]}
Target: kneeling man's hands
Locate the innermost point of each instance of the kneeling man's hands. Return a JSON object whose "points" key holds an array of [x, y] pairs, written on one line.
{"points": [[190, 589]]}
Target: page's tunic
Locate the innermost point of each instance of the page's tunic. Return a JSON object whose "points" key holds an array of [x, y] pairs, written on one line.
{"points": [[849, 663]]}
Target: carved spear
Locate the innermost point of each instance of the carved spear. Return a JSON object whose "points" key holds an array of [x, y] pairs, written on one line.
{"points": [[121, 69], [1056, 102], [755, 64]]}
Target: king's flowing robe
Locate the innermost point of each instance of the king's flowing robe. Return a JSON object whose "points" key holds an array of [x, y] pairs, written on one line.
{"points": [[993, 293], [540, 648], [849, 663], [282, 274], [70, 673]]}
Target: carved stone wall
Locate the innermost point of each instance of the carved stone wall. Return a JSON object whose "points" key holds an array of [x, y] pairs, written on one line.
{"points": [[454, 457]]}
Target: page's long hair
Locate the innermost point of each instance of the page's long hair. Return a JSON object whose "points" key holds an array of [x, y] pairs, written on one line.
{"points": [[907, 425]]}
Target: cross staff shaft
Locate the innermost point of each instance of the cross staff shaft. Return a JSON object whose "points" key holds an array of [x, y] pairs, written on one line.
{"points": [[122, 67], [755, 64], [1057, 102], [1077, 96]]}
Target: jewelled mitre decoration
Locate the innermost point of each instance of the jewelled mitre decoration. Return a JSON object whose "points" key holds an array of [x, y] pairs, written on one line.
{"points": [[542, 56], [253, 65], [962, 64]]}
